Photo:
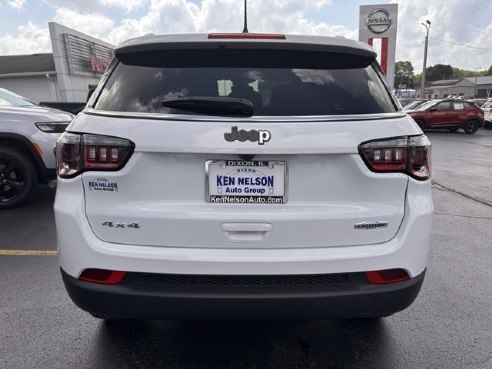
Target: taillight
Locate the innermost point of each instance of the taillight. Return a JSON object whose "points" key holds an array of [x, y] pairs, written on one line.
{"points": [[68, 155], [409, 155], [52, 127], [76, 153]]}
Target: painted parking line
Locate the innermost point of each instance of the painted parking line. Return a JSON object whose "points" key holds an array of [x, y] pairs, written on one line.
{"points": [[28, 252]]}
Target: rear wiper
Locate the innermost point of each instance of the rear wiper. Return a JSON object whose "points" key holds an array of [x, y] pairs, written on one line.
{"points": [[226, 106]]}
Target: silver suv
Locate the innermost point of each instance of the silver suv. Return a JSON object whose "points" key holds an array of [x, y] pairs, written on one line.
{"points": [[28, 135], [232, 176]]}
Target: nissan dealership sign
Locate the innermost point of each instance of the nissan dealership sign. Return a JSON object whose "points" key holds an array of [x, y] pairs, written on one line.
{"points": [[85, 57], [379, 22]]}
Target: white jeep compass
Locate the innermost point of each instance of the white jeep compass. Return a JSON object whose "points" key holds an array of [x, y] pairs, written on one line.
{"points": [[243, 176]]}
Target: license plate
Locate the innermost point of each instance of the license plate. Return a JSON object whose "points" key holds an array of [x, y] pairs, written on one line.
{"points": [[246, 181]]}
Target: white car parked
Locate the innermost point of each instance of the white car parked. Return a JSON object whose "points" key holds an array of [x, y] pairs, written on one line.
{"points": [[239, 176], [487, 114], [28, 135]]}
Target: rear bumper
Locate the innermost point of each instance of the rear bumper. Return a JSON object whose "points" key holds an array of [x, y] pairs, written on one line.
{"points": [[80, 249], [178, 297]]}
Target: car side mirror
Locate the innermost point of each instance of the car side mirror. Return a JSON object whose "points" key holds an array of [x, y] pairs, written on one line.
{"points": [[433, 109]]}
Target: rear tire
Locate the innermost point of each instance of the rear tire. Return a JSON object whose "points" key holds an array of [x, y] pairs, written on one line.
{"points": [[420, 123], [472, 126], [18, 179]]}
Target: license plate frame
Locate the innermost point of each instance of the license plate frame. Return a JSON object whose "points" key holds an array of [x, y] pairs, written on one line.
{"points": [[249, 170]]}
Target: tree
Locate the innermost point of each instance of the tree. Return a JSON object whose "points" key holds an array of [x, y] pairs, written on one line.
{"points": [[438, 72], [461, 73], [404, 74]]}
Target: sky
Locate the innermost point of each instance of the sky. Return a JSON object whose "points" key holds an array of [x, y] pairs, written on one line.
{"points": [[460, 35]]}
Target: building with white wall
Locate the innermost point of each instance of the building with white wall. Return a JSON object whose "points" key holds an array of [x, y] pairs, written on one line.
{"points": [[77, 62], [469, 88], [483, 86]]}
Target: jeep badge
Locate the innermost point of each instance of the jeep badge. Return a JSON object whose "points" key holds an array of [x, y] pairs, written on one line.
{"points": [[261, 136]]}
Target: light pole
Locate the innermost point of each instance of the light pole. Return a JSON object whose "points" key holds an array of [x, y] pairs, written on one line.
{"points": [[427, 25], [476, 69]]}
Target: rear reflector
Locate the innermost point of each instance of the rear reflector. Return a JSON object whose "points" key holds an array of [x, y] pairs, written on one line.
{"points": [[102, 276], [38, 149], [251, 36], [387, 276]]}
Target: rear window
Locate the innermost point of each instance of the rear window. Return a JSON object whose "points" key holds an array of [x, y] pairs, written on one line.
{"points": [[325, 88]]}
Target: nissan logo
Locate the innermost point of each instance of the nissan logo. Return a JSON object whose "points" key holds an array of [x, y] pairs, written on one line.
{"points": [[378, 21]]}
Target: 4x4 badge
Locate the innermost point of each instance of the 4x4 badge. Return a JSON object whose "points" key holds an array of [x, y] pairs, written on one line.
{"points": [[261, 136]]}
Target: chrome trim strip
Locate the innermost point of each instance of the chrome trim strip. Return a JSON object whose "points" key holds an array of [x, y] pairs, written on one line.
{"points": [[263, 119]]}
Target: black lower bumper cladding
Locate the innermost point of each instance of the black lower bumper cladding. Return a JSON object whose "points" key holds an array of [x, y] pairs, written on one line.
{"points": [[234, 297]]}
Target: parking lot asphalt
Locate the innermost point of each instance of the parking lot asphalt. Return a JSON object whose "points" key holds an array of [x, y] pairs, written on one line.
{"points": [[449, 325], [30, 227]]}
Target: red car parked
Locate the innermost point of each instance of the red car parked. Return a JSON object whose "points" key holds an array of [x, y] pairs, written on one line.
{"points": [[449, 114]]}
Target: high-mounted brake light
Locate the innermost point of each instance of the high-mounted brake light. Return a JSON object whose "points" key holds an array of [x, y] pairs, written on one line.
{"points": [[409, 155], [251, 36], [102, 276], [77, 153]]}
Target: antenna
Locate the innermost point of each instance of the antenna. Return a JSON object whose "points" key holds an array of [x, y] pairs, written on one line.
{"points": [[245, 29]]}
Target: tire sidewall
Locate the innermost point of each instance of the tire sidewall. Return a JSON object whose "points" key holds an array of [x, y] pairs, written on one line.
{"points": [[471, 126], [29, 173], [420, 123]]}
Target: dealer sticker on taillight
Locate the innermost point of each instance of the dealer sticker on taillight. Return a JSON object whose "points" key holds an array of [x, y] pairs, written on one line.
{"points": [[246, 181]]}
